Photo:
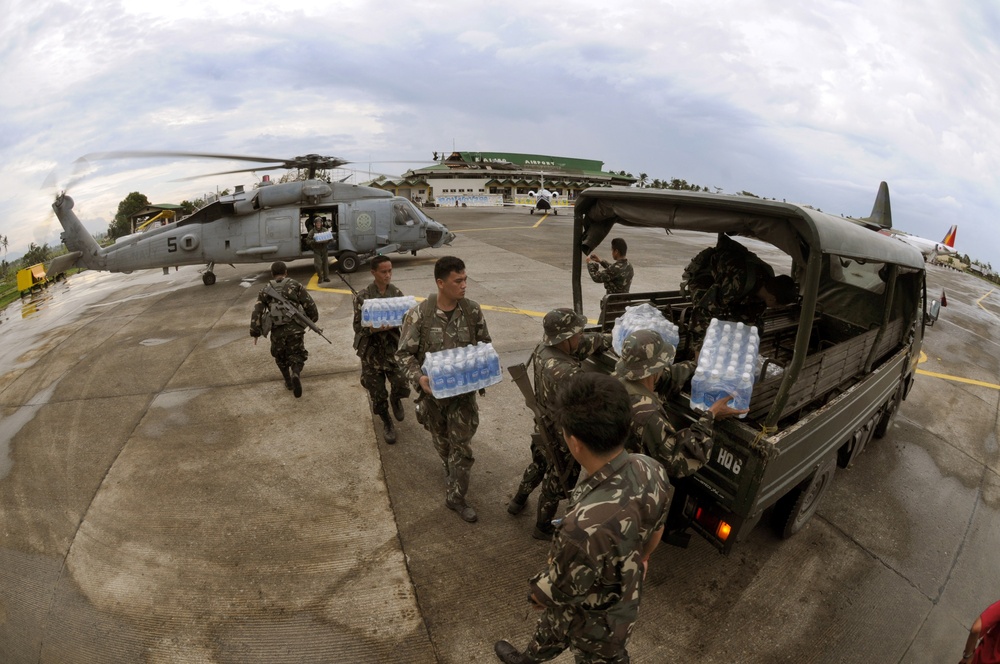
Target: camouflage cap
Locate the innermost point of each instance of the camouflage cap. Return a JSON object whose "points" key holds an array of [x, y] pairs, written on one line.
{"points": [[644, 352], [560, 325]]}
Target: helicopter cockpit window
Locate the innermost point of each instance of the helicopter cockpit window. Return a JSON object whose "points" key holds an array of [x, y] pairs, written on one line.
{"points": [[403, 214]]}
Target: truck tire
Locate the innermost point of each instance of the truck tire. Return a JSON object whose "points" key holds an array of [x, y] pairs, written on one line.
{"points": [[795, 509], [889, 414], [347, 262]]}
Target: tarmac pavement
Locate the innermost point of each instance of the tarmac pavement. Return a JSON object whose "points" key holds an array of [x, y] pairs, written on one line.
{"points": [[163, 497]]}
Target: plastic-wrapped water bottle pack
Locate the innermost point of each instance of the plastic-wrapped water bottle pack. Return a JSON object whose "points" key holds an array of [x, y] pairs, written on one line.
{"points": [[727, 365], [459, 370], [643, 317], [385, 312]]}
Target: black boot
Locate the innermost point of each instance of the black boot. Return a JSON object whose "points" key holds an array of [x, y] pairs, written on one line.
{"points": [[397, 408], [388, 429], [287, 375], [543, 523], [516, 504], [296, 381], [509, 654]]}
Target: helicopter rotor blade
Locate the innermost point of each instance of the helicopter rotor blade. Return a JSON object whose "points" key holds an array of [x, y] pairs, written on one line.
{"points": [[148, 154], [240, 170]]}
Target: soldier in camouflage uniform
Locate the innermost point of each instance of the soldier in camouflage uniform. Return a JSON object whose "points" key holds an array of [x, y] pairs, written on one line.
{"points": [[321, 257], [590, 591], [287, 336], [445, 320], [561, 354], [730, 282], [646, 369], [377, 350], [617, 276]]}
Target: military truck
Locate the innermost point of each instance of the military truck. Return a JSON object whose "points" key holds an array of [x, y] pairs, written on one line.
{"points": [[840, 360]]}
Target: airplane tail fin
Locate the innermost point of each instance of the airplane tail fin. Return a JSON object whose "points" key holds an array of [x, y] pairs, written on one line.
{"points": [[81, 244], [881, 212], [949, 239]]}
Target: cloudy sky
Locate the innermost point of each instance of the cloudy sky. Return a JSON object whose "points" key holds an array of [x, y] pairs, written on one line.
{"points": [[810, 102]]}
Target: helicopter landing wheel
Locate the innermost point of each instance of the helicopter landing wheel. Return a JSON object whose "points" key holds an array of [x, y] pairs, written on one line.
{"points": [[208, 278], [347, 262]]}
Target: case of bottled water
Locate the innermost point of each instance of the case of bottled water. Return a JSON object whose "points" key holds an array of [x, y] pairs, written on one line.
{"points": [[456, 371], [643, 317], [727, 365], [384, 312]]}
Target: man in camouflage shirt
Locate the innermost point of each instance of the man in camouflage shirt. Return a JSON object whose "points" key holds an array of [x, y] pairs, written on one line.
{"points": [[617, 276], [590, 591], [287, 335], [445, 320], [321, 255], [730, 282], [647, 372], [377, 350], [561, 354]]}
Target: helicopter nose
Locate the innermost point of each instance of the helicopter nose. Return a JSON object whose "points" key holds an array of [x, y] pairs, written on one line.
{"points": [[438, 236]]}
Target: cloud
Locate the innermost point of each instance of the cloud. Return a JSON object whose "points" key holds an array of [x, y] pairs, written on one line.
{"points": [[814, 103]]}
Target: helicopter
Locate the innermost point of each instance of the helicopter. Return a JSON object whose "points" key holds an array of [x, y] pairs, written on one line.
{"points": [[265, 224]]}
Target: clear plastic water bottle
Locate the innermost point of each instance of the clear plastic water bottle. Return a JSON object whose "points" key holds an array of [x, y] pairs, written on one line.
{"points": [[743, 390], [438, 380], [698, 389], [450, 380], [494, 359], [483, 364]]}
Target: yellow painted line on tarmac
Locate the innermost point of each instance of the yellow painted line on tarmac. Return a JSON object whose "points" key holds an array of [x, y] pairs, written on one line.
{"points": [[495, 228], [980, 300], [544, 216], [957, 379]]}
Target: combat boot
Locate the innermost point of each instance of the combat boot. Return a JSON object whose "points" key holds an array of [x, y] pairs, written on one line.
{"points": [[287, 375], [465, 511], [516, 504], [397, 408], [388, 429], [509, 654], [543, 523], [296, 381]]}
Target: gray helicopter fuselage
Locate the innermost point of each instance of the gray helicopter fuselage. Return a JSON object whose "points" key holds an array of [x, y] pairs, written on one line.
{"points": [[265, 224]]}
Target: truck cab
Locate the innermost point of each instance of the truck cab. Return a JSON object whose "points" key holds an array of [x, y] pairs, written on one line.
{"points": [[839, 361]]}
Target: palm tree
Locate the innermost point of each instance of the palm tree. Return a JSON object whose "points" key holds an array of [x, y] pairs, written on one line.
{"points": [[642, 179]]}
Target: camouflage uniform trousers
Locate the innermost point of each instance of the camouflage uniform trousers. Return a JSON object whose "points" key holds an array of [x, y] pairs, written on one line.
{"points": [[589, 640], [288, 347], [321, 261], [452, 423], [542, 471], [377, 368]]}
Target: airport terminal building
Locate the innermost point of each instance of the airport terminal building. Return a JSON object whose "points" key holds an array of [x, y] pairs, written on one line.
{"points": [[496, 178]]}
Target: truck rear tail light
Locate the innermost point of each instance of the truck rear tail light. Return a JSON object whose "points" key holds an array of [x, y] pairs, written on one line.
{"points": [[713, 524]]}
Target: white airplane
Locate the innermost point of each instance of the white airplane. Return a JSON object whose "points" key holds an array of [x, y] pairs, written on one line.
{"points": [[543, 199], [928, 248]]}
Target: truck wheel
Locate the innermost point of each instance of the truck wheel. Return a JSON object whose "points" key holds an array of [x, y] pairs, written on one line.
{"points": [[347, 262], [889, 415], [795, 509]]}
